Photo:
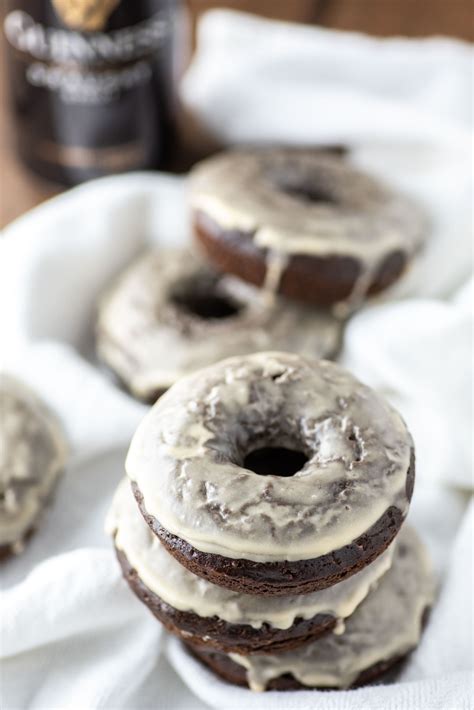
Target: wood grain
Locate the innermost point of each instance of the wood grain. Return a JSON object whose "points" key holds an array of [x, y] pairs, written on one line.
{"points": [[410, 18], [292, 10]]}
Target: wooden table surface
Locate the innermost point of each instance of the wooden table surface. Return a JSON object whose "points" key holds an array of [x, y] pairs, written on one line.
{"points": [[21, 190]]}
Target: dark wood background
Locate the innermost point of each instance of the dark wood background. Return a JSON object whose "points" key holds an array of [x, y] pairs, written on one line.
{"points": [[21, 190]]}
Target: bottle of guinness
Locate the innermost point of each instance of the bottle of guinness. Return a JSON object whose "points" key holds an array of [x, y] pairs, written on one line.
{"points": [[92, 84]]}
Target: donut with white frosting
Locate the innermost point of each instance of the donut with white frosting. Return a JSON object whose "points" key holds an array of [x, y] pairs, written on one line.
{"points": [[305, 223], [381, 632], [197, 610], [170, 314], [33, 454], [273, 474]]}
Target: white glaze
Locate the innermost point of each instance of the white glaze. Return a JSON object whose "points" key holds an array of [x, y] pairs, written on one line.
{"points": [[150, 343], [183, 590], [364, 219], [386, 625], [32, 455], [186, 458]]}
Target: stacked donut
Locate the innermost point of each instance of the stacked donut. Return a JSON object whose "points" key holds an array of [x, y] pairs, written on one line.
{"points": [[260, 520], [304, 223], [292, 241]]}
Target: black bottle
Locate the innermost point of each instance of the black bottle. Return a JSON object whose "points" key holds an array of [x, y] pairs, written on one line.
{"points": [[92, 84]]}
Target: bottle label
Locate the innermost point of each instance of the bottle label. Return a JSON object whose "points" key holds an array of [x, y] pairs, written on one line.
{"points": [[86, 68], [92, 84]]}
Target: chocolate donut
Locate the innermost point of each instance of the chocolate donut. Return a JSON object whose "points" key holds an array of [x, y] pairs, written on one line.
{"points": [[305, 223], [273, 474], [206, 614], [382, 631], [33, 454], [170, 314]]}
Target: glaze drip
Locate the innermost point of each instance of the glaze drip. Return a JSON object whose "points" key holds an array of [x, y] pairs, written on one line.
{"points": [[292, 201], [183, 590], [386, 625]]}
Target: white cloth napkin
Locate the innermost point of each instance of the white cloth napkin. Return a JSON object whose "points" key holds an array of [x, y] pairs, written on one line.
{"points": [[73, 635]]}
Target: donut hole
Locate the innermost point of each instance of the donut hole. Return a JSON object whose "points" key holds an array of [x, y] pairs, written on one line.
{"points": [[203, 299], [207, 307], [306, 190], [275, 461], [308, 194]]}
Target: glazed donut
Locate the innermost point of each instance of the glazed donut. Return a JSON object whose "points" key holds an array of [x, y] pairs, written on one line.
{"points": [[305, 223], [273, 474], [33, 455], [169, 314], [205, 614], [383, 630]]}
